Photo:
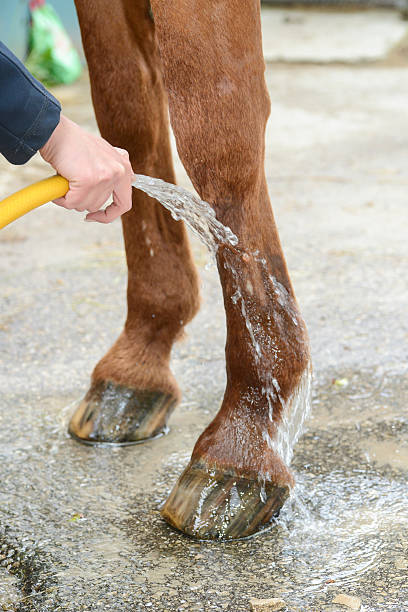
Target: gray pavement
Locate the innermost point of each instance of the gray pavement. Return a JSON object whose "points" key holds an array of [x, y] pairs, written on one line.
{"points": [[79, 527], [314, 36]]}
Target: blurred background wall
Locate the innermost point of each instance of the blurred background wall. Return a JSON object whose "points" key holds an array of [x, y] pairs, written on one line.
{"points": [[14, 16]]}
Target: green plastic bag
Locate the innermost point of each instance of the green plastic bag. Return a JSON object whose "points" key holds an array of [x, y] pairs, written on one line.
{"points": [[52, 58]]}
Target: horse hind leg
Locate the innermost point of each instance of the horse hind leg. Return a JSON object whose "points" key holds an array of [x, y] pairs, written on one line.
{"points": [[133, 391]]}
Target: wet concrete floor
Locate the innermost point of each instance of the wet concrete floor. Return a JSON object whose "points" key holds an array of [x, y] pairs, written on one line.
{"points": [[79, 526]]}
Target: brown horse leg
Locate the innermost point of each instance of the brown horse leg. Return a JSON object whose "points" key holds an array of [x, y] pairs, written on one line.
{"points": [[133, 391], [238, 476]]}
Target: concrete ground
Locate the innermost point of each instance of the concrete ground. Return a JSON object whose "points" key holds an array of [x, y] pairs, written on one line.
{"points": [[79, 526], [319, 36]]}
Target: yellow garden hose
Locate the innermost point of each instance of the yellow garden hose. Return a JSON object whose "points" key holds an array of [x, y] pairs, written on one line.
{"points": [[21, 202]]}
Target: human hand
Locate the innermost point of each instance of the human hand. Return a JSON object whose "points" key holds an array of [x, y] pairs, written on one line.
{"points": [[94, 169]]}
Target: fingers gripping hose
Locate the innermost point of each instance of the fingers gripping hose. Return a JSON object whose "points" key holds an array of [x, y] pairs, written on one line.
{"points": [[31, 197]]}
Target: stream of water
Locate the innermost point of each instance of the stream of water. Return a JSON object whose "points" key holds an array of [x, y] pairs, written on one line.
{"points": [[186, 206]]}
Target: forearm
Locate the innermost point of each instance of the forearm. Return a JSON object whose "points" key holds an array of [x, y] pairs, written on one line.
{"points": [[28, 112]]}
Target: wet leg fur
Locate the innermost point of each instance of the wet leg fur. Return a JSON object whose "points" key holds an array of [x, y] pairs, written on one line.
{"points": [[132, 391], [213, 68]]}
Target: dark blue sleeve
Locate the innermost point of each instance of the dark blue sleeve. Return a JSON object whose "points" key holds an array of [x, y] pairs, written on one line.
{"points": [[28, 112]]}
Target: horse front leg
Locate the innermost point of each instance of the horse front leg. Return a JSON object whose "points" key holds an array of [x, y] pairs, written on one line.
{"points": [[133, 391], [238, 477]]}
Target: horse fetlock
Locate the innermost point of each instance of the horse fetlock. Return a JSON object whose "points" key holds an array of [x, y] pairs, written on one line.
{"points": [[132, 393]]}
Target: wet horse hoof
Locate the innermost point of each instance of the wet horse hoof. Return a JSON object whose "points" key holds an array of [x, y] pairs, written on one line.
{"points": [[210, 504], [115, 414]]}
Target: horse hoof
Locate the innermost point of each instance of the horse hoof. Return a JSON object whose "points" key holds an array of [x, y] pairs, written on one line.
{"points": [[115, 414], [210, 504]]}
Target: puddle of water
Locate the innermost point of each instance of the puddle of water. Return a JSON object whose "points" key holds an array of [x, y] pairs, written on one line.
{"points": [[339, 533], [386, 452]]}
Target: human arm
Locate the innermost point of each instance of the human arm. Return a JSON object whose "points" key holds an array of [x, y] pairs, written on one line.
{"points": [[28, 112], [31, 121]]}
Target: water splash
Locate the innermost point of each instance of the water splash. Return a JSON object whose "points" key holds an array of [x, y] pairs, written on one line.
{"points": [[295, 413], [340, 546], [196, 213]]}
